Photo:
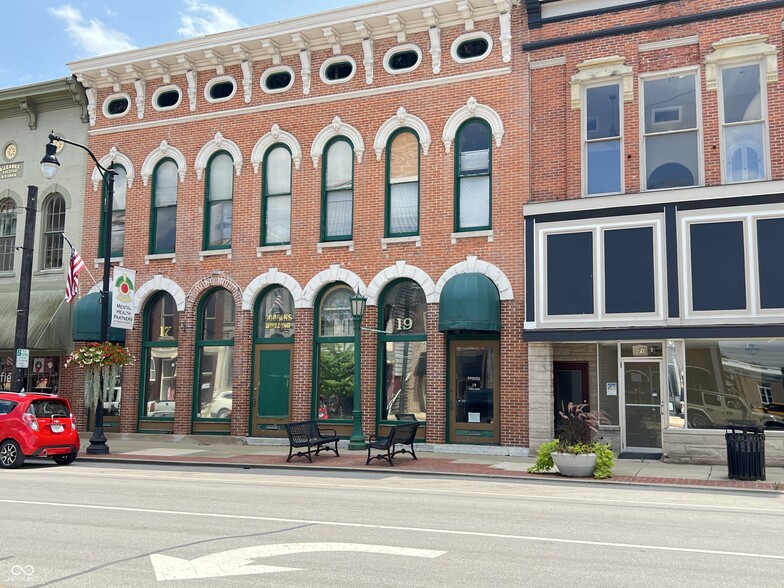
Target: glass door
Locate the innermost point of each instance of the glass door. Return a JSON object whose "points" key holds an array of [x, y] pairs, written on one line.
{"points": [[642, 406], [474, 392]]}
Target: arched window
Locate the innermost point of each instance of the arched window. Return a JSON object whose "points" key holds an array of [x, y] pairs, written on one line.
{"points": [[334, 353], [118, 212], [54, 225], [337, 204], [7, 234], [159, 363], [214, 356], [275, 315], [403, 184], [218, 209], [402, 340], [276, 197], [163, 221], [473, 170]]}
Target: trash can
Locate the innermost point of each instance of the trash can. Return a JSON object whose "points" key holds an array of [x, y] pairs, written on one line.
{"points": [[745, 452]]}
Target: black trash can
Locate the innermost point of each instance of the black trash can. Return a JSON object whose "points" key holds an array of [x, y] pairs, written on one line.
{"points": [[745, 452]]}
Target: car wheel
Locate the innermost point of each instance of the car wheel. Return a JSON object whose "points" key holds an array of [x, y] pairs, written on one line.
{"points": [[10, 454], [699, 421], [66, 459], [223, 413]]}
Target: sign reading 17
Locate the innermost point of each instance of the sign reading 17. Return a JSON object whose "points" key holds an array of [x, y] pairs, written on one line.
{"points": [[404, 324]]}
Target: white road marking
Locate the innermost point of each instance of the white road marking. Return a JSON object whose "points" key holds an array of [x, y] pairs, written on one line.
{"points": [[399, 528], [236, 562]]}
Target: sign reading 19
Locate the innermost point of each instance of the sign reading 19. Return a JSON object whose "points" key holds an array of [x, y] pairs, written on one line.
{"points": [[404, 324]]}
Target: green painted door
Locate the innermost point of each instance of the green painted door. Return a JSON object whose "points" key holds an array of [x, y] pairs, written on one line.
{"points": [[272, 385]]}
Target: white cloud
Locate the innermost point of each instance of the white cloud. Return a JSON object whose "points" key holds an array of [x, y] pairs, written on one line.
{"points": [[93, 37], [205, 19]]}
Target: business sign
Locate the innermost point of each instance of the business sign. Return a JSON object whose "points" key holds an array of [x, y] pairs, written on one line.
{"points": [[123, 290], [11, 170], [22, 358]]}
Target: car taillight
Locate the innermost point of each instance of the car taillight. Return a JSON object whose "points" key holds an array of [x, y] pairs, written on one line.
{"points": [[30, 421]]}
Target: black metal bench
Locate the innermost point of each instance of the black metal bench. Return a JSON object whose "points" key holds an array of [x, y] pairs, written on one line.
{"points": [[403, 434], [308, 434]]}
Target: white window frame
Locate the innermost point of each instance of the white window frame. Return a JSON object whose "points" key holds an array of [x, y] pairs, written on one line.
{"points": [[584, 135], [402, 49], [765, 392], [643, 135], [468, 37], [116, 96], [337, 59], [219, 80], [161, 90], [273, 70]]}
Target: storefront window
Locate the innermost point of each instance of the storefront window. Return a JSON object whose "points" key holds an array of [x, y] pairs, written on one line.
{"points": [[335, 353], [734, 382], [276, 317], [160, 357], [676, 375], [43, 374], [215, 356]]}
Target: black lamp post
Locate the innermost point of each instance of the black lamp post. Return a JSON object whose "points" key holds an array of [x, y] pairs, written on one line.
{"points": [[357, 440], [49, 167]]}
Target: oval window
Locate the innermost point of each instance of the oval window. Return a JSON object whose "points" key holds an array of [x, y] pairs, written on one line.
{"points": [[278, 81], [403, 60], [168, 99], [117, 106], [222, 90], [339, 70], [472, 48]]}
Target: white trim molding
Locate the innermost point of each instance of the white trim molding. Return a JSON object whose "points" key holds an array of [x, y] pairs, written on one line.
{"points": [[472, 109], [164, 150], [112, 98], [742, 48], [273, 70], [402, 119], [336, 128], [156, 284], [162, 90], [218, 143], [275, 135], [107, 161], [337, 59], [335, 273], [602, 69], [464, 38], [473, 264], [223, 79], [273, 278], [402, 49], [401, 269]]}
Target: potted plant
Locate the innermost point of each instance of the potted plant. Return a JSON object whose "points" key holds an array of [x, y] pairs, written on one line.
{"points": [[574, 450]]}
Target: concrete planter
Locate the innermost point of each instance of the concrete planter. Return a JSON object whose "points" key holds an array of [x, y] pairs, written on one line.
{"points": [[575, 466]]}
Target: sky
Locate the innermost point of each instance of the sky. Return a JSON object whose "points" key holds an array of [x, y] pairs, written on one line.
{"points": [[41, 36]]}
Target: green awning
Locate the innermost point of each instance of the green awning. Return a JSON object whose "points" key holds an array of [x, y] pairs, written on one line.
{"points": [[47, 323], [470, 302], [87, 320]]}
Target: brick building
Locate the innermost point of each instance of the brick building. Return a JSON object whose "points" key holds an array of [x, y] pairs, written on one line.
{"points": [[655, 224], [268, 174]]}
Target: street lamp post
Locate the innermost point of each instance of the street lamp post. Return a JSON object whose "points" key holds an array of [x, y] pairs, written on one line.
{"points": [[357, 440], [49, 167]]}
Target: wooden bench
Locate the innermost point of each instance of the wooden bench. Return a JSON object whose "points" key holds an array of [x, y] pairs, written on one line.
{"points": [[308, 434], [403, 434]]}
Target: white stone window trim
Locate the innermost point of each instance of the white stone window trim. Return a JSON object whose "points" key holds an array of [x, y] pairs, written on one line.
{"points": [[112, 97], [387, 241], [486, 233], [273, 277], [163, 151], [402, 120], [159, 256], [740, 50], [473, 264], [218, 143], [600, 71], [321, 246], [337, 128], [163, 90], [402, 49], [469, 37], [585, 141], [159, 283], [274, 136], [472, 109], [214, 253], [651, 76], [273, 249], [220, 80], [273, 70], [337, 59], [114, 157], [401, 270]]}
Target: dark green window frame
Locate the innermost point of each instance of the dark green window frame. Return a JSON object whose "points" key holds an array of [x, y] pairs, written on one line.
{"points": [[468, 175], [149, 343], [207, 201], [266, 239], [155, 210], [325, 193], [118, 215], [202, 342], [388, 231]]}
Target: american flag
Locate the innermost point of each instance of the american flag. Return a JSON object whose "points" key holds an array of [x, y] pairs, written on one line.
{"points": [[72, 276]]}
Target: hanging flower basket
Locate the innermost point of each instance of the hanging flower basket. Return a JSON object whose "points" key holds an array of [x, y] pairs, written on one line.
{"points": [[101, 363]]}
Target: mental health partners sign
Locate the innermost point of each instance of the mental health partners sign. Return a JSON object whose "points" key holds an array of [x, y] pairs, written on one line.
{"points": [[123, 290]]}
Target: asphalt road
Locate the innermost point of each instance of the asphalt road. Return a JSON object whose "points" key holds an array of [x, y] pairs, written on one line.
{"points": [[120, 525]]}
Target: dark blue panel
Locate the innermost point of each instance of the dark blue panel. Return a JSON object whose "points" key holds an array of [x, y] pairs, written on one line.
{"points": [[673, 278], [628, 271], [770, 248], [718, 269], [530, 269], [570, 274]]}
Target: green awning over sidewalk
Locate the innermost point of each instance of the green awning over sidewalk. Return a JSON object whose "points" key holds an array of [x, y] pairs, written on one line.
{"points": [[87, 320], [47, 324], [470, 302]]}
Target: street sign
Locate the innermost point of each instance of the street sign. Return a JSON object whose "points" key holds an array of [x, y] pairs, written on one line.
{"points": [[22, 358]]}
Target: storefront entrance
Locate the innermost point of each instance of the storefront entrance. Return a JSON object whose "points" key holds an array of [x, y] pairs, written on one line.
{"points": [[641, 404], [473, 395], [272, 390]]}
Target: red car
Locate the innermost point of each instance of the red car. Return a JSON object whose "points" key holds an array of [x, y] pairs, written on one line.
{"points": [[36, 425]]}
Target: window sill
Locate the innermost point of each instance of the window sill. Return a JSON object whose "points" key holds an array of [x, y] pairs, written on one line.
{"points": [[334, 244], [273, 249], [46, 272], [10, 274], [416, 239], [157, 256], [214, 253], [473, 235], [99, 261]]}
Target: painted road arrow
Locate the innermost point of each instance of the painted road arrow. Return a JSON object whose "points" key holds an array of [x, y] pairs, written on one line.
{"points": [[236, 562]]}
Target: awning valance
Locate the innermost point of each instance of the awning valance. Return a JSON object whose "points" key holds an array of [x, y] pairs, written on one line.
{"points": [[87, 320], [470, 302], [47, 323]]}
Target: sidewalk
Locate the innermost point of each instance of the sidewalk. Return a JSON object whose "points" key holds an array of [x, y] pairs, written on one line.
{"points": [[433, 460]]}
